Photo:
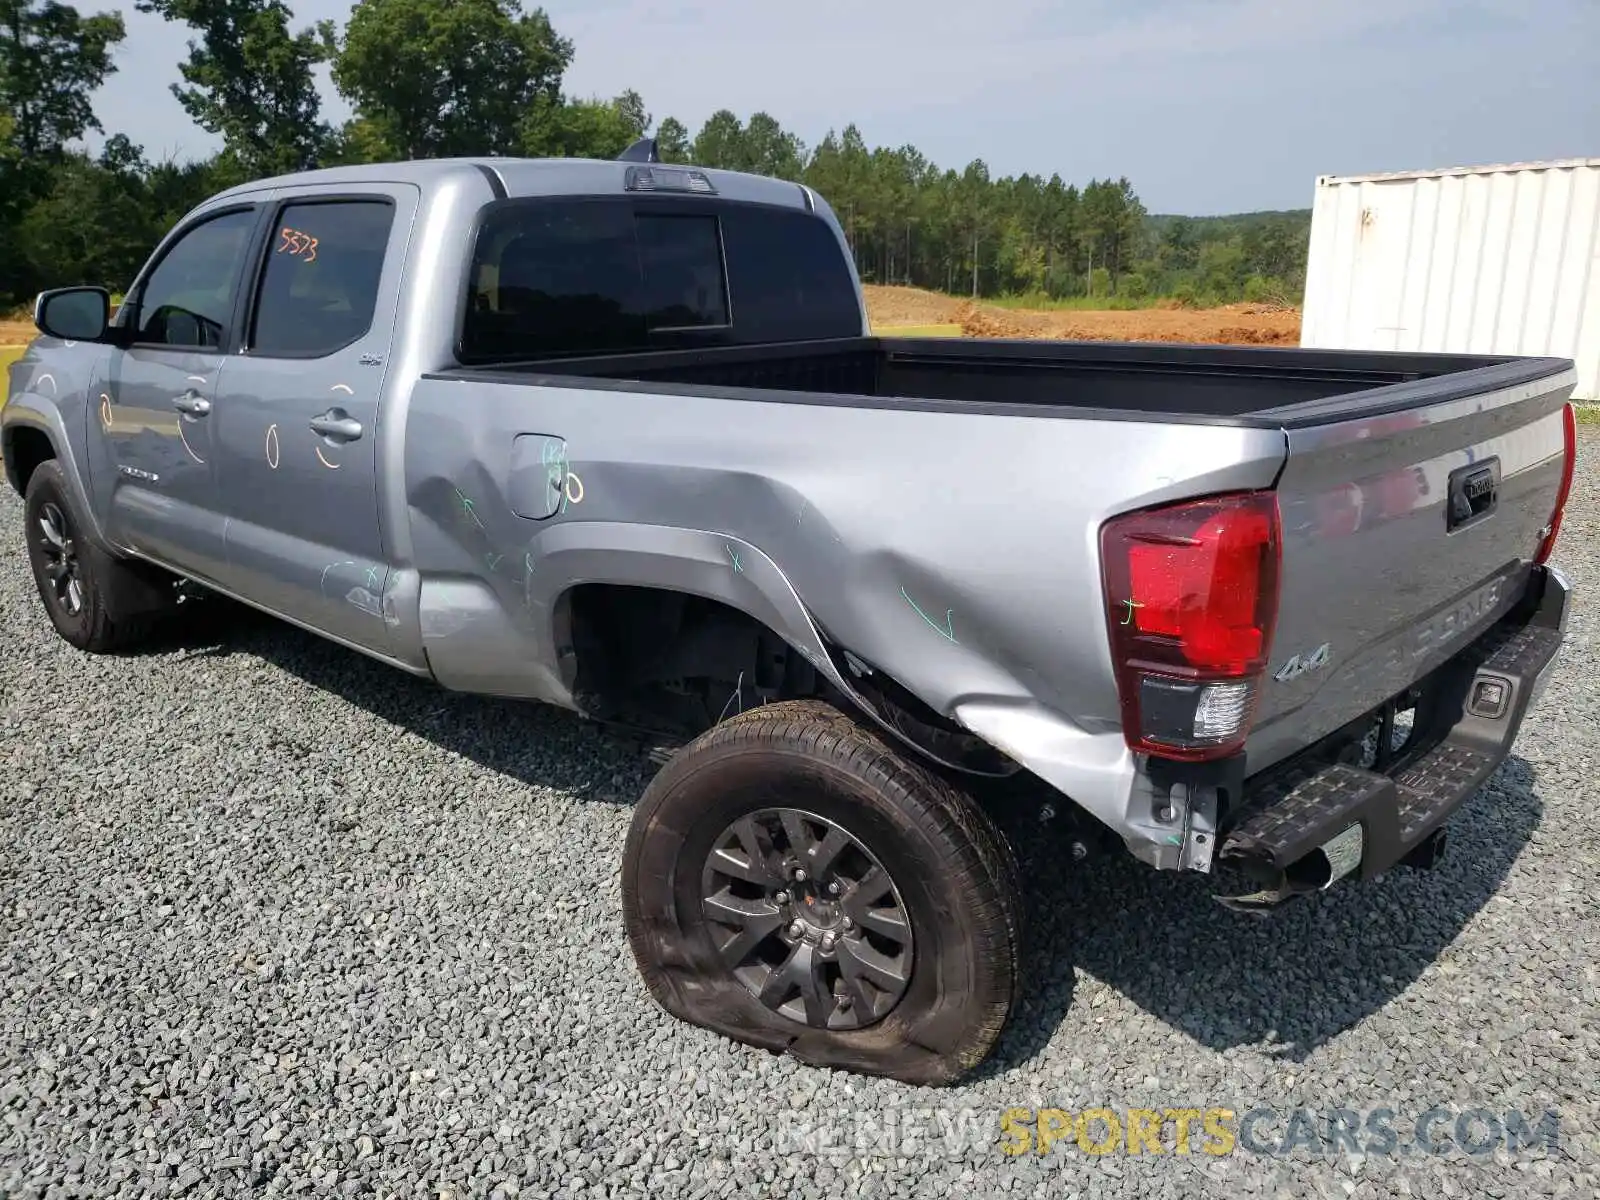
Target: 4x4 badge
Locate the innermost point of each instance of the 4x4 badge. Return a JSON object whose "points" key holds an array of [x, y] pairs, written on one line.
{"points": [[1300, 664]]}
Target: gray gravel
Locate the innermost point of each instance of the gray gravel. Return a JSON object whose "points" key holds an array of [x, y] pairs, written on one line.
{"points": [[276, 920]]}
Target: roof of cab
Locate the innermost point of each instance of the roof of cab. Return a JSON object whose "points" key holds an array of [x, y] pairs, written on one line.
{"points": [[532, 177]]}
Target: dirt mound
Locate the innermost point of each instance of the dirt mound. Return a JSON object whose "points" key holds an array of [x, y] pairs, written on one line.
{"points": [[909, 306], [979, 322], [1233, 324], [1257, 337]]}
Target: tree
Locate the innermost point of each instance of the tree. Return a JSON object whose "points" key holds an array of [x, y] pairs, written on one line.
{"points": [[358, 140], [563, 128], [248, 78], [12, 206], [768, 150], [442, 78], [720, 142], [977, 216], [51, 59], [672, 141], [94, 225], [475, 77]]}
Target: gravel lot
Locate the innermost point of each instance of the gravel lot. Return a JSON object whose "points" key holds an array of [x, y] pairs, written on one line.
{"points": [[276, 920]]}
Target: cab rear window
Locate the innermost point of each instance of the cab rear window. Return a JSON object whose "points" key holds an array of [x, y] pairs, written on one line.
{"points": [[558, 278]]}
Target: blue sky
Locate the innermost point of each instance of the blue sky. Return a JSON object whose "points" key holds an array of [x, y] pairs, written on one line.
{"points": [[1207, 106]]}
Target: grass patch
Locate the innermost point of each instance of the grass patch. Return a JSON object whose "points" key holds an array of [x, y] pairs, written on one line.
{"points": [[918, 331], [9, 355], [1586, 414], [1039, 302]]}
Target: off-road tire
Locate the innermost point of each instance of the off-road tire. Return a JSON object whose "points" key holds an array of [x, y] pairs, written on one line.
{"points": [[953, 870], [121, 601]]}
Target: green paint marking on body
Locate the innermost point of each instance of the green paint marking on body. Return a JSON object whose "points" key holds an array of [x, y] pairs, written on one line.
{"points": [[946, 631]]}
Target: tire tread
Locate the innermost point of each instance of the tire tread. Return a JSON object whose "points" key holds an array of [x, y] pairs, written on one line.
{"points": [[970, 850]]}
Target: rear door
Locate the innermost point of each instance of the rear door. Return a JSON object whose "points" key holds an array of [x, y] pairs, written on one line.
{"points": [[154, 470], [1407, 533], [297, 436]]}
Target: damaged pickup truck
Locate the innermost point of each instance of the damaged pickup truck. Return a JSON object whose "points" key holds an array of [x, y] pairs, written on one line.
{"points": [[616, 436]]}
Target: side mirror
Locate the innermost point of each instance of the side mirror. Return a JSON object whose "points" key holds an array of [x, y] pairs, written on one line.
{"points": [[80, 314]]}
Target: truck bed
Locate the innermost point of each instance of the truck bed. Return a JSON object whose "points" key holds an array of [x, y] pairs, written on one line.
{"points": [[881, 472], [1229, 384]]}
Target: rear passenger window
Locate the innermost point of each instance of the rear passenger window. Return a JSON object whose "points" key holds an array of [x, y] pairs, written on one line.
{"points": [[320, 286], [680, 264], [596, 276], [789, 277], [560, 278]]}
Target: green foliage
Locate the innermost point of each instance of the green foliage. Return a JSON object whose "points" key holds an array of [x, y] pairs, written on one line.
{"points": [[672, 141], [248, 78], [561, 128], [442, 78], [439, 78], [51, 58], [761, 147]]}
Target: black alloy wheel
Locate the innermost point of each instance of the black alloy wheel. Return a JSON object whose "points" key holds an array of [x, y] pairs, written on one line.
{"points": [[807, 919], [58, 550]]}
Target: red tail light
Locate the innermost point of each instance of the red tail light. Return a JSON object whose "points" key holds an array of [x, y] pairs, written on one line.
{"points": [[1569, 432], [1193, 593]]}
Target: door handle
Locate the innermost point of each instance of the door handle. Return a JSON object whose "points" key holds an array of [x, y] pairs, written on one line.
{"points": [[336, 424], [192, 404]]}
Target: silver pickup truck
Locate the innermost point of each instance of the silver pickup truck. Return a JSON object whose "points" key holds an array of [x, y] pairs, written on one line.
{"points": [[616, 436]]}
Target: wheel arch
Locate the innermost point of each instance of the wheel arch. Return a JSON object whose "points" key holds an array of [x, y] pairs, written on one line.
{"points": [[584, 559], [32, 431]]}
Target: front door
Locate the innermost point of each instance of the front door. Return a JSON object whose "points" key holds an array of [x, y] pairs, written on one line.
{"points": [[297, 438], [154, 400]]}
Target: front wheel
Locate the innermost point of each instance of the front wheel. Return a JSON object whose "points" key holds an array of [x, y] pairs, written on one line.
{"points": [[793, 882], [96, 602]]}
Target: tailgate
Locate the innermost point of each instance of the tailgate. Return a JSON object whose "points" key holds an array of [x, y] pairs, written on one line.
{"points": [[1411, 517]]}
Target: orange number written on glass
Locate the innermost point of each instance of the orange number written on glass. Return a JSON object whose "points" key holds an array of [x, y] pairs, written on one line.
{"points": [[301, 245]]}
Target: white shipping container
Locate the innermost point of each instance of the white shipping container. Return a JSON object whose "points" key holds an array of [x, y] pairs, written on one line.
{"points": [[1499, 259]]}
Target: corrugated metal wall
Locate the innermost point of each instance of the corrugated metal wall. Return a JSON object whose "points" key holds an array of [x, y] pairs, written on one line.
{"points": [[1474, 260]]}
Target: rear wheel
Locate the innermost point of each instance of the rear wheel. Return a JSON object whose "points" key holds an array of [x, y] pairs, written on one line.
{"points": [[793, 882], [95, 601]]}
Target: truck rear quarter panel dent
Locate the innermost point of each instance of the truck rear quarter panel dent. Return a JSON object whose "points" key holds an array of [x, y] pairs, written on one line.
{"points": [[957, 552]]}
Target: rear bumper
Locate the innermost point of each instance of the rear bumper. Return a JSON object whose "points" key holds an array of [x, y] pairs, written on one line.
{"points": [[1471, 711]]}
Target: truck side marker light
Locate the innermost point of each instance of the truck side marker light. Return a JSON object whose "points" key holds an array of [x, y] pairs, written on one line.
{"points": [[946, 631]]}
